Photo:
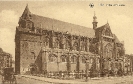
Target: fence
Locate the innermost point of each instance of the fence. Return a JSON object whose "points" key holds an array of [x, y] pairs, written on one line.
{"points": [[76, 75]]}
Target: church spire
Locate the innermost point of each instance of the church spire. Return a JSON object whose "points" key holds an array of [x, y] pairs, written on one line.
{"points": [[26, 13], [94, 21]]}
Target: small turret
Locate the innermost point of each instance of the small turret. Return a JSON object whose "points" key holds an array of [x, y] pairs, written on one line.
{"points": [[94, 22], [25, 20]]}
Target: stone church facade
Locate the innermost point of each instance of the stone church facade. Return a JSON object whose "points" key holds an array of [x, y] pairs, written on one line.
{"points": [[53, 45]]}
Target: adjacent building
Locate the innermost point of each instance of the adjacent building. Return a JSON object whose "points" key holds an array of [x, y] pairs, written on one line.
{"points": [[47, 44], [5, 59]]}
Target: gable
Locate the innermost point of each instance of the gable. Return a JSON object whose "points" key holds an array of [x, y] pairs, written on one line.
{"points": [[107, 32]]}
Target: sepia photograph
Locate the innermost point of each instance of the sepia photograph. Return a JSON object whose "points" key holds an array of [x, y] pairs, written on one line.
{"points": [[66, 42]]}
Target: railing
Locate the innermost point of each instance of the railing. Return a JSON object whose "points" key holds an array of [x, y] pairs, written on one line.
{"points": [[63, 75], [77, 75]]}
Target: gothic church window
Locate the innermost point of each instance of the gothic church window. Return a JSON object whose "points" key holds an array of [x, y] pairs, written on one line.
{"points": [[108, 51], [68, 45], [75, 46], [74, 59], [83, 46], [63, 58], [52, 58], [56, 43], [108, 32], [46, 41], [83, 59]]}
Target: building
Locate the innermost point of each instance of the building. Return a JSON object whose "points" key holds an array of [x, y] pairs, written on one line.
{"points": [[5, 59], [128, 63], [48, 44]]}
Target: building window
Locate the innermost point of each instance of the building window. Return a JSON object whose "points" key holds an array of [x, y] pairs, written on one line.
{"points": [[68, 46], [75, 46], [108, 51], [73, 59], [83, 59], [52, 58], [56, 43], [63, 58], [47, 41], [82, 46]]}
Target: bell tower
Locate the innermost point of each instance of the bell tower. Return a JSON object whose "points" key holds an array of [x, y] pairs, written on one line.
{"points": [[94, 22]]}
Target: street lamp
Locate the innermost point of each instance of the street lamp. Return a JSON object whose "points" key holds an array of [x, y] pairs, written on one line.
{"points": [[87, 69]]}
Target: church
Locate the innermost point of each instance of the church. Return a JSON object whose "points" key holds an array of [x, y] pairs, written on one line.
{"points": [[51, 45]]}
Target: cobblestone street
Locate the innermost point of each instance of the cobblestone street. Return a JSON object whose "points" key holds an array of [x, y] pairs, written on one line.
{"points": [[25, 79]]}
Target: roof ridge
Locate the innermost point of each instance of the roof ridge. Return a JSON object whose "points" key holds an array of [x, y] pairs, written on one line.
{"points": [[60, 20]]}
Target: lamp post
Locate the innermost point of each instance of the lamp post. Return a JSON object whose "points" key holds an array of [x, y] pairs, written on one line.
{"points": [[87, 69]]}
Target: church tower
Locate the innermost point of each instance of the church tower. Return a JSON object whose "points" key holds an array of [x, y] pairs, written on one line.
{"points": [[26, 14], [94, 22], [25, 20]]}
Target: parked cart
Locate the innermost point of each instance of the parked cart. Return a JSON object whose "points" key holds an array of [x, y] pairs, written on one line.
{"points": [[8, 76]]}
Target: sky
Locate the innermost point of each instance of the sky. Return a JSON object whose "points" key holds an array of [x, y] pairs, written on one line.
{"points": [[120, 18]]}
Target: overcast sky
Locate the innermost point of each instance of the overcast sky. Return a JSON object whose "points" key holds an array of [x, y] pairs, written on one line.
{"points": [[120, 18]]}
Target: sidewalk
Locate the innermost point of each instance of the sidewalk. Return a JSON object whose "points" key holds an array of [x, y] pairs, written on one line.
{"points": [[101, 80]]}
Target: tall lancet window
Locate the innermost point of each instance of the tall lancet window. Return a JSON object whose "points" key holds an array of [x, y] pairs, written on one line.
{"points": [[73, 59], [108, 51], [68, 45], [52, 58], [63, 58], [56, 42], [75, 46]]}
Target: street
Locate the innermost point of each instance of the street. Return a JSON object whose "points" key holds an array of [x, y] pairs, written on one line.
{"points": [[110, 80], [23, 80]]}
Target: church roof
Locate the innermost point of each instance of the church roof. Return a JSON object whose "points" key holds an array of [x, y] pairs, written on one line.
{"points": [[101, 28], [116, 39], [57, 25]]}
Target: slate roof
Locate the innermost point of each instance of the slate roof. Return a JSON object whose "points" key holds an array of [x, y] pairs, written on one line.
{"points": [[57, 25], [116, 39]]}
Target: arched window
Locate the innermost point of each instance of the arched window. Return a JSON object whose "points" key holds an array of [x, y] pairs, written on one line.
{"points": [[82, 46], [74, 59], [63, 58], [46, 41], [75, 46], [68, 45], [118, 53], [56, 43], [52, 58], [83, 59], [108, 51]]}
